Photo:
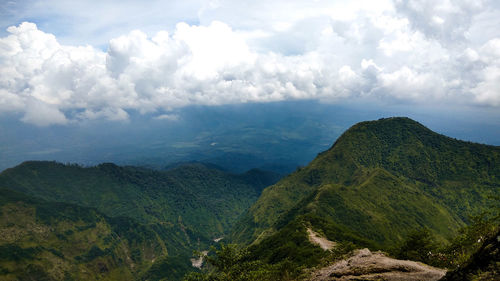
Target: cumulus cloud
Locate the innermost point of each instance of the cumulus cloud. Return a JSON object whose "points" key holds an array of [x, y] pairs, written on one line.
{"points": [[395, 52]]}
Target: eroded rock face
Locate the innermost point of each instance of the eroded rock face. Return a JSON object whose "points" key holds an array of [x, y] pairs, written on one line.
{"points": [[365, 265]]}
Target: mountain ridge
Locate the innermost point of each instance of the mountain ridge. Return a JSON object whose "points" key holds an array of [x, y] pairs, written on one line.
{"points": [[452, 177], [109, 187]]}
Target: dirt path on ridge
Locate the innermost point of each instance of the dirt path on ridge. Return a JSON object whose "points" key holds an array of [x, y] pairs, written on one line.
{"points": [[324, 243]]}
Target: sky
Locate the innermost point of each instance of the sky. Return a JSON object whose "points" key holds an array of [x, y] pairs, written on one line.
{"points": [[65, 62]]}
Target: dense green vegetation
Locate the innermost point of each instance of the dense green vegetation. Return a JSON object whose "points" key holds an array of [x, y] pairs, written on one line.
{"points": [[182, 209], [474, 254], [168, 268], [230, 263], [195, 196], [58, 241], [381, 180], [483, 264]]}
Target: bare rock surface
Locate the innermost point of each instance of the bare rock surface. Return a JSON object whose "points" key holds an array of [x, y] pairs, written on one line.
{"points": [[365, 265]]}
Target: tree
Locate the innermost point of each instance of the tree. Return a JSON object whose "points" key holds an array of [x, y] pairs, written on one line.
{"points": [[418, 246]]}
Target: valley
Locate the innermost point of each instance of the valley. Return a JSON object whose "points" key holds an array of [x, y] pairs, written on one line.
{"points": [[181, 210]]}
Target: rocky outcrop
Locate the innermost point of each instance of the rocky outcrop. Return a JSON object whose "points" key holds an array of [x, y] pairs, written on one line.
{"points": [[365, 265]]}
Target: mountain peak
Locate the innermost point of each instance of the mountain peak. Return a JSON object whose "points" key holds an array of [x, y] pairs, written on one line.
{"points": [[394, 119], [404, 146], [393, 122], [393, 127], [400, 119]]}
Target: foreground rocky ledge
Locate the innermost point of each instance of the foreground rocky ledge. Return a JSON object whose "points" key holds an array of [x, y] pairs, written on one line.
{"points": [[365, 265]]}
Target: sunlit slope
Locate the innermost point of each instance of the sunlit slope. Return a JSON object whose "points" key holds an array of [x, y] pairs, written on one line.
{"points": [[380, 180]]}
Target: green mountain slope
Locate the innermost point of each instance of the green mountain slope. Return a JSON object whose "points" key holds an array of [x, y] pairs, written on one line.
{"points": [[41, 240], [380, 180], [193, 196], [183, 209]]}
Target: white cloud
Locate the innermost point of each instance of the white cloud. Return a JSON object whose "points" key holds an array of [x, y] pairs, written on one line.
{"points": [[400, 52], [42, 114], [10, 101], [487, 89], [212, 48], [406, 83], [170, 117]]}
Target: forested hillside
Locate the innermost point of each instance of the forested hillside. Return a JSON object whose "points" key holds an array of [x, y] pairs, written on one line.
{"points": [[182, 209], [379, 181], [195, 196]]}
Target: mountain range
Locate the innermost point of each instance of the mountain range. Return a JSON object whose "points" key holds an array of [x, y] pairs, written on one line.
{"points": [[380, 182]]}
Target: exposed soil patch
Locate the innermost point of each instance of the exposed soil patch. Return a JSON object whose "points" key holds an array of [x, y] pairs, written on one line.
{"points": [[324, 243]]}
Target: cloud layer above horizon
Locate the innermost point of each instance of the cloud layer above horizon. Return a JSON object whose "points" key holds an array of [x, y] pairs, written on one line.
{"points": [[411, 52]]}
